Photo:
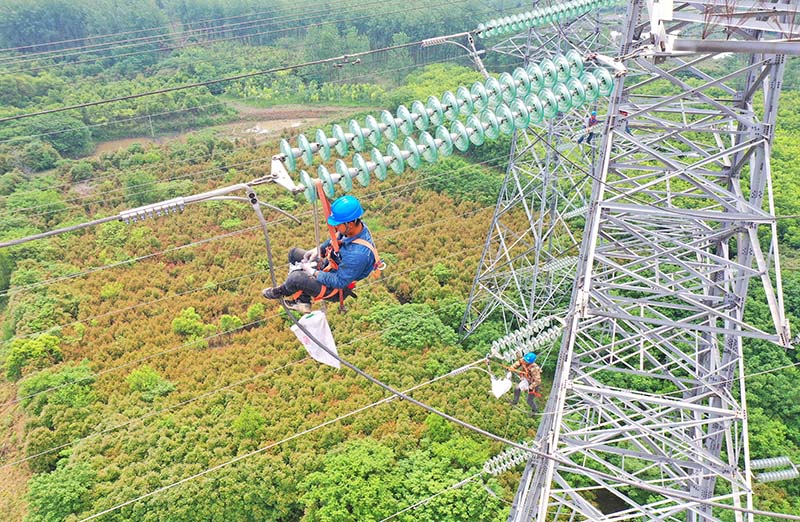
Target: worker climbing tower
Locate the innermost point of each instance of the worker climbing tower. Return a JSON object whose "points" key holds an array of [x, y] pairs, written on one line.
{"points": [[647, 417], [528, 261]]}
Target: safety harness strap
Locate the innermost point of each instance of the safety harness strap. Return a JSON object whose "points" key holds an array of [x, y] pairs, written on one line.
{"points": [[326, 207], [379, 265]]}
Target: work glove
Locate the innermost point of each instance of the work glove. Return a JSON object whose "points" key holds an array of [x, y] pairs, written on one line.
{"points": [[311, 255], [310, 268]]}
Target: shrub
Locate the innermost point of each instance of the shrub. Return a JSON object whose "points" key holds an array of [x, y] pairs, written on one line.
{"points": [[149, 383], [229, 323], [37, 352], [188, 323], [412, 326]]}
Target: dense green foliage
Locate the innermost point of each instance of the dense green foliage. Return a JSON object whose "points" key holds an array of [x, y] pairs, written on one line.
{"points": [[144, 353]]}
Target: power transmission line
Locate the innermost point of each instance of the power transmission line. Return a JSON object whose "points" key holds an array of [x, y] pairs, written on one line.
{"points": [[153, 413], [217, 335], [202, 43], [457, 485], [188, 109], [421, 180], [137, 31], [282, 441], [221, 80]]}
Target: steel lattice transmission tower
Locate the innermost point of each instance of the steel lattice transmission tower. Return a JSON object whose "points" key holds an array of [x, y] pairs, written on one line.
{"points": [[647, 418], [528, 262]]}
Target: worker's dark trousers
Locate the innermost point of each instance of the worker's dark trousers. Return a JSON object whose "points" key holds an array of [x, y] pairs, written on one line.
{"points": [[530, 400], [299, 280]]}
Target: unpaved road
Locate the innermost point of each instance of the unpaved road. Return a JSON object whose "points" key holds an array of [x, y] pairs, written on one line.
{"points": [[257, 123]]}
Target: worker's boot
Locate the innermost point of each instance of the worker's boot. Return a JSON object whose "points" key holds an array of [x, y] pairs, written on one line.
{"points": [[279, 292], [275, 293]]}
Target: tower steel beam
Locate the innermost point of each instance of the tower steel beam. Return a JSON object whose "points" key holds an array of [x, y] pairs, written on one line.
{"points": [[528, 261], [649, 384]]}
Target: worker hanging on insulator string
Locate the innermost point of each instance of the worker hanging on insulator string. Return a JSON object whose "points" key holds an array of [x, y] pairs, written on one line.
{"points": [[591, 121], [330, 271], [530, 380]]}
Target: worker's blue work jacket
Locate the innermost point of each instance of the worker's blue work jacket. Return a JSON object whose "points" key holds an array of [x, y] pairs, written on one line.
{"points": [[356, 261]]}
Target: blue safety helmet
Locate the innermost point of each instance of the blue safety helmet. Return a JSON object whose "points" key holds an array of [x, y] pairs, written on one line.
{"points": [[594, 113], [530, 357], [345, 209]]}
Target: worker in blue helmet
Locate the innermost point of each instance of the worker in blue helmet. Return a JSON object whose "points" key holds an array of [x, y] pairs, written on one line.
{"points": [[530, 380], [591, 122], [330, 271]]}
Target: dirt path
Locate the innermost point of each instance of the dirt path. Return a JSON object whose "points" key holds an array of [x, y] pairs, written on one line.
{"points": [[257, 123]]}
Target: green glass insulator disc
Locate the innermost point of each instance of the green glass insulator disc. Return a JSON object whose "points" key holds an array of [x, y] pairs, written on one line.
{"points": [[341, 146], [413, 158], [480, 98], [562, 67], [406, 125], [390, 130], [492, 23], [549, 72], [344, 181], [576, 92], [373, 130], [464, 97], [446, 145], [430, 153], [490, 124], [475, 130], [527, 19], [398, 163], [420, 114], [604, 80], [450, 106], [345, 176], [535, 109], [590, 86], [461, 140], [362, 170], [324, 147], [494, 91], [522, 81], [481, 29], [435, 111], [380, 164], [358, 140], [286, 150], [506, 119], [536, 75], [536, 17], [508, 87], [310, 191], [575, 63], [549, 103], [522, 117], [306, 152], [327, 181], [563, 97], [517, 22]]}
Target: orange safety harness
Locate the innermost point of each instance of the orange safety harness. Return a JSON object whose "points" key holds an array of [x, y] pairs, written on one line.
{"points": [[325, 293], [525, 370]]}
